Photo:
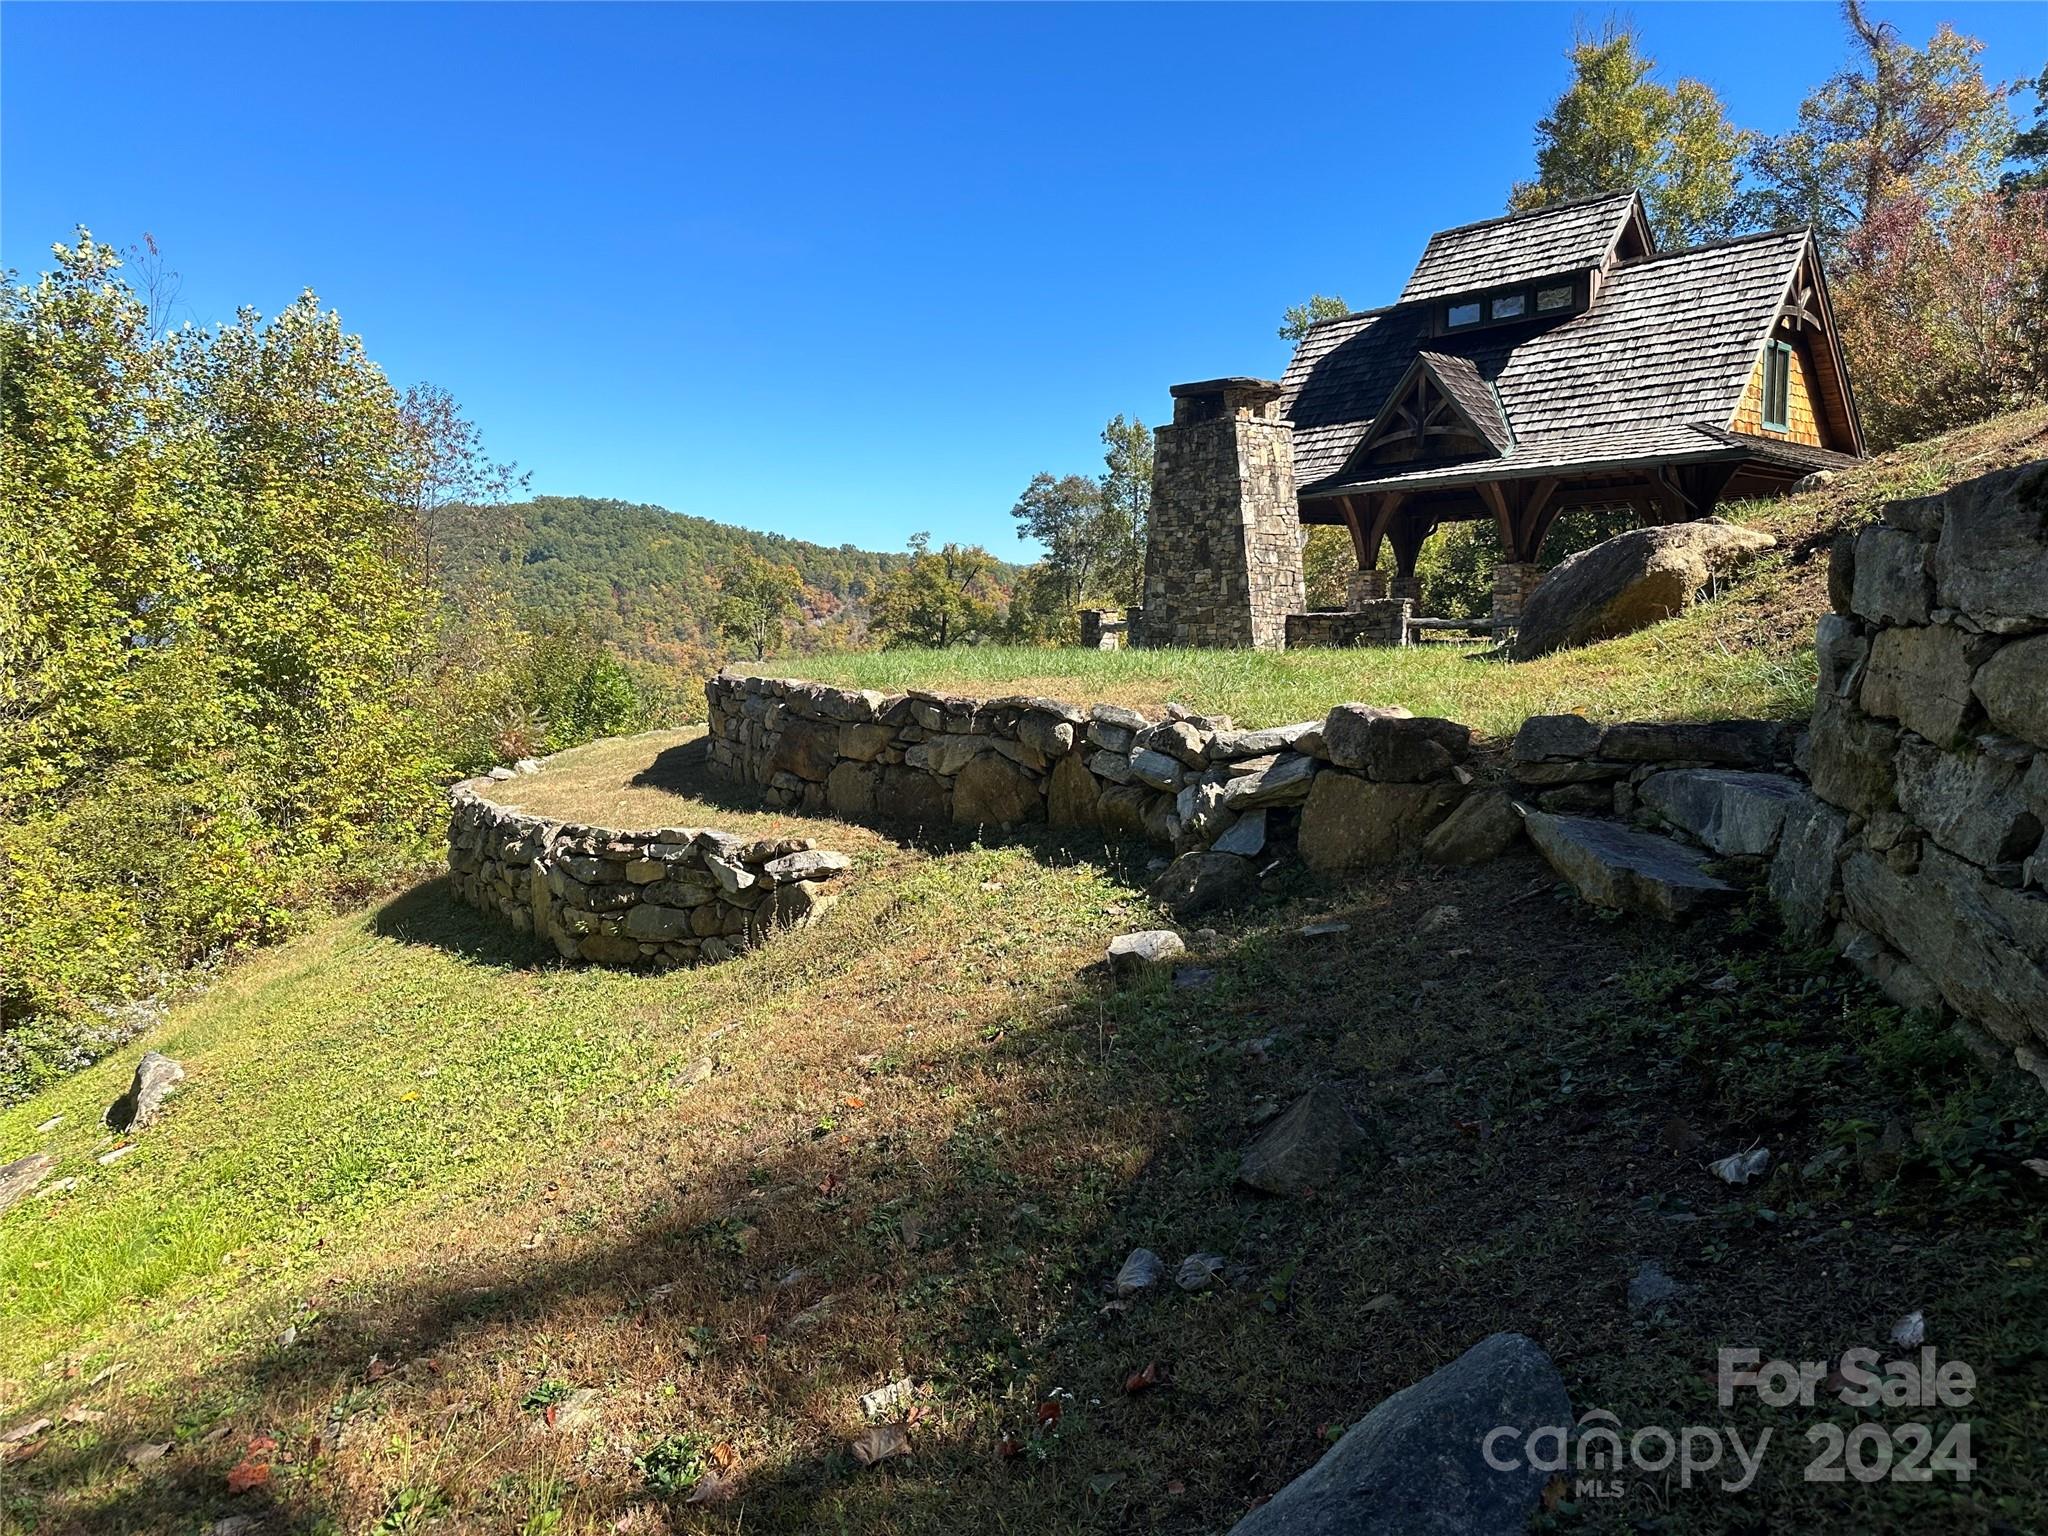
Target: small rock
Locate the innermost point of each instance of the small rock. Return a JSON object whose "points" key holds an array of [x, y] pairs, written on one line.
{"points": [[1304, 1147], [1386, 1301], [146, 1453], [1192, 978], [1141, 1272], [698, 1071], [884, 1398], [19, 1177], [108, 1159], [1438, 918], [1131, 953], [60, 1187], [1435, 1077], [1327, 928], [576, 1411], [1203, 938], [156, 1078], [49, 1125], [1651, 1286], [1201, 882], [242, 1525], [26, 1430], [880, 1443], [816, 1313], [1198, 1271], [1910, 1331], [289, 1337], [1740, 1167]]}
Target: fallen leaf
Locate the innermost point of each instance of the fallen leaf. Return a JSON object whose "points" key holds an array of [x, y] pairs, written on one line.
{"points": [[148, 1451], [77, 1415], [1049, 1413], [1009, 1447], [856, 1103], [262, 1445], [1553, 1493], [723, 1457], [378, 1369], [879, 1443], [24, 1431], [1176, 1487], [248, 1473], [1143, 1381]]}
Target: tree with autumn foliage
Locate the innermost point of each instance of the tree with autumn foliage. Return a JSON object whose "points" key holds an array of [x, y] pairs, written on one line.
{"points": [[942, 597]]}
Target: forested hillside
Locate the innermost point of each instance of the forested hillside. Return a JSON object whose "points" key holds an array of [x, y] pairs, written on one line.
{"points": [[646, 580]]}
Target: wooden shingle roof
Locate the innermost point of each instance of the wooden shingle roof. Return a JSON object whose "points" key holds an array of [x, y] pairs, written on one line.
{"points": [[1654, 369], [1545, 242]]}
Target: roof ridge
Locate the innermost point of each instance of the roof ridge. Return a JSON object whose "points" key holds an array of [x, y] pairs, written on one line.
{"points": [[1529, 213], [1354, 314], [1721, 244]]}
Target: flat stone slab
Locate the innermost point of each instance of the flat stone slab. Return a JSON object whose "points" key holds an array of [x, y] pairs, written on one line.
{"points": [[1731, 811], [1131, 953], [1614, 866]]}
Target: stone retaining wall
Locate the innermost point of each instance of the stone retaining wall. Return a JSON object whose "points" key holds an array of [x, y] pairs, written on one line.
{"points": [[1929, 756], [672, 896], [1190, 782]]}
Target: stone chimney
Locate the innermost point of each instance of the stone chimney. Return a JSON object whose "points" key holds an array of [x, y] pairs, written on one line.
{"points": [[1223, 551]]}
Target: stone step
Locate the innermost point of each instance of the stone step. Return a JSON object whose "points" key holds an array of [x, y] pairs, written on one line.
{"points": [[1612, 865]]}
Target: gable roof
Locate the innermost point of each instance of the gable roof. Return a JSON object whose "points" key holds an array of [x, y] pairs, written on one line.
{"points": [[1543, 242], [1666, 349], [1457, 382]]}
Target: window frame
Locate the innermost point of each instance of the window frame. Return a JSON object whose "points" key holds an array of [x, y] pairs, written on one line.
{"points": [[1478, 308], [1778, 359]]}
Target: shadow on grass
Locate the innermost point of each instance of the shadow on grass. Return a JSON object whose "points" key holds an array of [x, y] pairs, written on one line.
{"points": [[429, 914]]}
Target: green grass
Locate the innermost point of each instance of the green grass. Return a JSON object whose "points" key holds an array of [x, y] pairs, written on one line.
{"points": [[1687, 669], [476, 1186]]}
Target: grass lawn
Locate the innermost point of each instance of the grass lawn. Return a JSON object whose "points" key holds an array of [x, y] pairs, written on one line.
{"points": [[440, 1235], [1747, 653]]}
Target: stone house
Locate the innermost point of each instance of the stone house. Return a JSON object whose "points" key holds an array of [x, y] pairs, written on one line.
{"points": [[1532, 365]]}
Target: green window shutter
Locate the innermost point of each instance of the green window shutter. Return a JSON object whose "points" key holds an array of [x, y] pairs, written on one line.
{"points": [[1777, 385]]}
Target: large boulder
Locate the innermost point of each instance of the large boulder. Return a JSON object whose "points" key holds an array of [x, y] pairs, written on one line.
{"points": [[1631, 581], [1448, 1456], [1613, 866], [1071, 793]]}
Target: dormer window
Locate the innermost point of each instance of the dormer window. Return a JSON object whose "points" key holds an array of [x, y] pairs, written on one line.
{"points": [[1555, 298], [1460, 315], [1550, 300], [1509, 306]]}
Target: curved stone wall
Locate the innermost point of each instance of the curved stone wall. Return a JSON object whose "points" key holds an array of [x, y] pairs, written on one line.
{"points": [[672, 896], [1361, 786]]}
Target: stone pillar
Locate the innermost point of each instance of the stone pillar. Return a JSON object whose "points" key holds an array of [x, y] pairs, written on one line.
{"points": [[1365, 587], [1223, 549], [1097, 633], [1512, 584], [1409, 587]]}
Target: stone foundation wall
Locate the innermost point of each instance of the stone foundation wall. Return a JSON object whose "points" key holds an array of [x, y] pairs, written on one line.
{"points": [[1929, 755], [673, 896], [1368, 621], [1190, 782]]}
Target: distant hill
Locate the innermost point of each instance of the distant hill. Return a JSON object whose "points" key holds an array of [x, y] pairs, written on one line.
{"points": [[645, 578]]}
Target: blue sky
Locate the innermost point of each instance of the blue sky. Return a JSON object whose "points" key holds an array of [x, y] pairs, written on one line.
{"points": [[841, 272]]}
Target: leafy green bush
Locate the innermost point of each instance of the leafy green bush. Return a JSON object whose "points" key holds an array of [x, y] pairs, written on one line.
{"points": [[227, 693]]}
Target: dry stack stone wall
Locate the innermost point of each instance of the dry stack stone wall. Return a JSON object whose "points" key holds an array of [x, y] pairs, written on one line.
{"points": [[1192, 782], [672, 896], [1929, 755]]}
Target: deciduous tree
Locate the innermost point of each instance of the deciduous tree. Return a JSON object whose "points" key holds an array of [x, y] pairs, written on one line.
{"points": [[757, 600], [1617, 128], [1297, 320], [942, 597], [1920, 125]]}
